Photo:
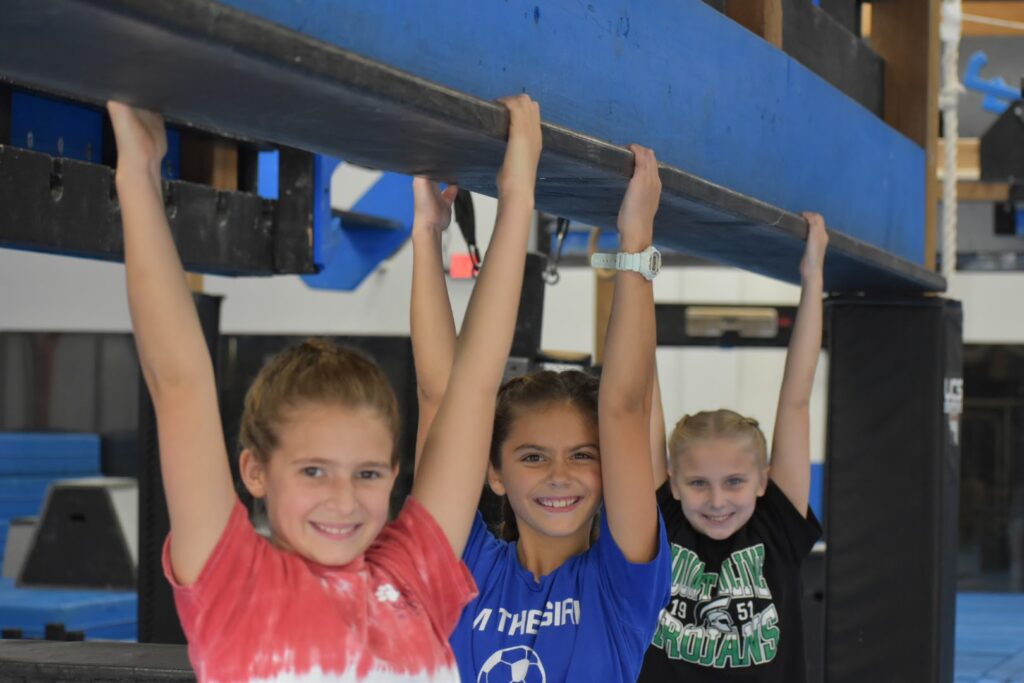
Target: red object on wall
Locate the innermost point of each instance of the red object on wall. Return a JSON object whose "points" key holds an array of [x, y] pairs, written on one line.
{"points": [[460, 266]]}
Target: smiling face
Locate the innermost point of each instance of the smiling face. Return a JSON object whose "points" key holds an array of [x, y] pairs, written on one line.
{"points": [[328, 483], [718, 481], [551, 471]]}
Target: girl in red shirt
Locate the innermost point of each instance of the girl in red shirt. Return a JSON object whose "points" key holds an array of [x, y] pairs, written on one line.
{"points": [[336, 593]]}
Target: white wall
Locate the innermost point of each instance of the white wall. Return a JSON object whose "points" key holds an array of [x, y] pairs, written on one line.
{"points": [[993, 306]]}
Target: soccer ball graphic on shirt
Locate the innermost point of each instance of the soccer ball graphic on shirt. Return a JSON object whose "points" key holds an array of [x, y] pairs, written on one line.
{"points": [[518, 664]]}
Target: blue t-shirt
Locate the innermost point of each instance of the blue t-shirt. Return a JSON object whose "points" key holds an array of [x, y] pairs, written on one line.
{"points": [[590, 620]]}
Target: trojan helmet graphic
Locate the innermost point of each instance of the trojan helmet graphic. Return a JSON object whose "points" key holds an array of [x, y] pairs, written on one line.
{"points": [[714, 615]]}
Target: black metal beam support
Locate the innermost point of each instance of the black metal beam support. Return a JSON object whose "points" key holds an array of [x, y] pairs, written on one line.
{"points": [[5, 114], [204, 64], [293, 219], [70, 207]]}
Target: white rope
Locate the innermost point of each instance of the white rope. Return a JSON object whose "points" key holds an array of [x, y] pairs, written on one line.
{"points": [[993, 21], [949, 31]]}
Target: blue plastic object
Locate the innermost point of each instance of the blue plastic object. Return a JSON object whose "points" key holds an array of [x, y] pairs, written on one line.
{"points": [[998, 93], [100, 614], [266, 174], [710, 97], [347, 249]]}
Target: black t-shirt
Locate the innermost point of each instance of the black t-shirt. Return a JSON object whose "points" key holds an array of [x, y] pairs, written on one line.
{"points": [[734, 614]]}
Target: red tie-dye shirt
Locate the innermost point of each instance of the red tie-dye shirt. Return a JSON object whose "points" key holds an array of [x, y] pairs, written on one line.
{"points": [[259, 613]]}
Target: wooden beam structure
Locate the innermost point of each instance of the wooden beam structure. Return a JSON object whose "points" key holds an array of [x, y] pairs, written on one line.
{"points": [[762, 17], [993, 18], [968, 159], [969, 187], [906, 34], [968, 191]]}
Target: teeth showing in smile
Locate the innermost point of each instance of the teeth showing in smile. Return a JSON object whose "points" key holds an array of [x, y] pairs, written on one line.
{"points": [[718, 518], [335, 530], [558, 503]]}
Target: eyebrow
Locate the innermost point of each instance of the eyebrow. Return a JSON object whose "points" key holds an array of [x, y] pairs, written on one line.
{"points": [[324, 461], [535, 447], [704, 476]]}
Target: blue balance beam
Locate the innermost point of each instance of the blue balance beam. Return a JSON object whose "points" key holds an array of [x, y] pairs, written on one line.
{"points": [[709, 96]]}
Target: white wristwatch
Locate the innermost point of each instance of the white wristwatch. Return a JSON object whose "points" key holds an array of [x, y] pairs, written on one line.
{"points": [[646, 262]]}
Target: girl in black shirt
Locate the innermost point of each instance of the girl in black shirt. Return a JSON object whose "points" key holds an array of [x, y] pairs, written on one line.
{"points": [[739, 525]]}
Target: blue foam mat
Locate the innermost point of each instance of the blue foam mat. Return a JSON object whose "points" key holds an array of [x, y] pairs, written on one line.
{"points": [[65, 455], [989, 638], [100, 614]]}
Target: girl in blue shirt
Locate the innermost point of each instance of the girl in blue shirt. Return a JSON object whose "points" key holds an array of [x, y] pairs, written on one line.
{"points": [[555, 605]]}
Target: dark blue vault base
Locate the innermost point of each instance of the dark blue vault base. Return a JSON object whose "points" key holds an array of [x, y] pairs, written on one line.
{"points": [[217, 68]]}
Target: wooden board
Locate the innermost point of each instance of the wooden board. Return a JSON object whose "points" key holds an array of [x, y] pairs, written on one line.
{"points": [[905, 34]]}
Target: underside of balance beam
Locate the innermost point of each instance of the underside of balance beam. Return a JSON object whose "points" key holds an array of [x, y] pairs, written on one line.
{"points": [[203, 64]]}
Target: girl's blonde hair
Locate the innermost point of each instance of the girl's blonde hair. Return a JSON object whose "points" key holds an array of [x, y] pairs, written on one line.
{"points": [[717, 424], [314, 372]]}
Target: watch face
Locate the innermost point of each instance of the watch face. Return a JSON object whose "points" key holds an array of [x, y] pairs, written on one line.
{"points": [[656, 261]]}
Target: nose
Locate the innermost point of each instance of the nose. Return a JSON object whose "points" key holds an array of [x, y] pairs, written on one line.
{"points": [[559, 473], [717, 497], [342, 496]]}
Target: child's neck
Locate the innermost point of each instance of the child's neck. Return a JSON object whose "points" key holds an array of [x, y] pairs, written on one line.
{"points": [[540, 554]]}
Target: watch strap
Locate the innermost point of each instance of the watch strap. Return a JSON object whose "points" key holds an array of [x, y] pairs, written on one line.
{"points": [[628, 261]]}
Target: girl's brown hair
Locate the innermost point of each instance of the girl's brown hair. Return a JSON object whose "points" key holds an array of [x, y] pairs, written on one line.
{"points": [[571, 387], [715, 424], [314, 372]]}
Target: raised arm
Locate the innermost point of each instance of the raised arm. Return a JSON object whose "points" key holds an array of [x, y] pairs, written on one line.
{"points": [[791, 445], [659, 449], [624, 402], [431, 322], [175, 362], [454, 460]]}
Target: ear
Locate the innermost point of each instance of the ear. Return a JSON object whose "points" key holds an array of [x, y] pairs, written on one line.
{"points": [[254, 474], [762, 485], [673, 485], [495, 481]]}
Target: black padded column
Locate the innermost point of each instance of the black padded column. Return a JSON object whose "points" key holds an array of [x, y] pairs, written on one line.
{"points": [[893, 465]]}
